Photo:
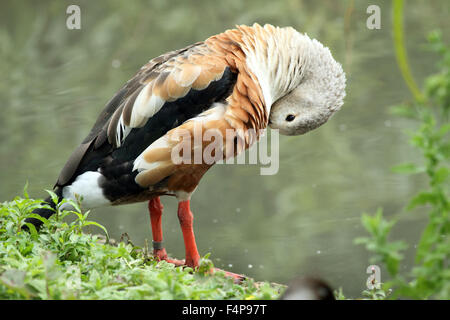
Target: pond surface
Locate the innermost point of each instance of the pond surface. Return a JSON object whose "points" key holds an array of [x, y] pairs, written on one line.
{"points": [[301, 221]]}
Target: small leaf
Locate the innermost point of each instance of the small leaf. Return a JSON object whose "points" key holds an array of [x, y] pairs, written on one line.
{"points": [[25, 191], [427, 239], [441, 175], [36, 216], [98, 225], [444, 129], [407, 168], [53, 196], [32, 229], [403, 111], [421, 199]]}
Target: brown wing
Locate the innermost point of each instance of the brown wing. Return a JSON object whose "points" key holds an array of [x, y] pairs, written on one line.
{"points": [[194, 68], [164, 79], [169, 78], [243, 110]]}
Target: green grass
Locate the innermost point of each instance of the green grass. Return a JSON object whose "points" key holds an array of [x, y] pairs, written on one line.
{"points": [[63, 262]]}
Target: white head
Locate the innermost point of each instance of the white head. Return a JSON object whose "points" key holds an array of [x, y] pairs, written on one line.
{"points": [[319, 94], [301, 82]]}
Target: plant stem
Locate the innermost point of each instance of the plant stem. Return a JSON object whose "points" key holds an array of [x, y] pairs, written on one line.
{"points": [[400, 51]]}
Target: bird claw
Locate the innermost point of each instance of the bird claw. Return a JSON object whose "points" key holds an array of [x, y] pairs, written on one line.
{"points": [[176, 262], [237, 278], [160, 254]]}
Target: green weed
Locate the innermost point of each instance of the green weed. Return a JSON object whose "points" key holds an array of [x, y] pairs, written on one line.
{"points": [[429, 278], [62, 262]]}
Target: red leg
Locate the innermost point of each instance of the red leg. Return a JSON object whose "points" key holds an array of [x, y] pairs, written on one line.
{"points": [[186, 222], [155, 207]]}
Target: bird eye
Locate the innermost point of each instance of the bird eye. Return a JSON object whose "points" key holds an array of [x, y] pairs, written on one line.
{"points": [[290, 117]]}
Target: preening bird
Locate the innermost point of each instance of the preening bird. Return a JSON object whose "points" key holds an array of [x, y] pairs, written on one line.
{"points": [[233, 82]]}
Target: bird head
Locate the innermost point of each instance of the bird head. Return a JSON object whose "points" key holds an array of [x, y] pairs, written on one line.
{"points": [[319, 94], [301, 83]]}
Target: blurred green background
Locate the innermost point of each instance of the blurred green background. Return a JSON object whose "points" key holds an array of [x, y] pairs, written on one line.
{"points": [[302, 221]]}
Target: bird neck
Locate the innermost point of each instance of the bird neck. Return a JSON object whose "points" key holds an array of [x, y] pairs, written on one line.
{"points": [[277, 56]]}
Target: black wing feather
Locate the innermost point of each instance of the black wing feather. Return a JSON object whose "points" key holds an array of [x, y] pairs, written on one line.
{"points": [[117, 161]]}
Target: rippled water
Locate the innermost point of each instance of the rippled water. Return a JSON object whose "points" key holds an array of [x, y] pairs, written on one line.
{"points": [[301, 221]]}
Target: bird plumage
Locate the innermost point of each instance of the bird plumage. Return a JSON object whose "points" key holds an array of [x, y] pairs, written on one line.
{"points": [[217, 83], [226, 84]]}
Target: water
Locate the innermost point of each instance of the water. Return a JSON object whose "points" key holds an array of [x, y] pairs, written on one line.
{"points": [[303, 220]]}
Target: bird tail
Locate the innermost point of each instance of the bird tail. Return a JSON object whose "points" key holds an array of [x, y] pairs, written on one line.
{"points": [[44, 212]]}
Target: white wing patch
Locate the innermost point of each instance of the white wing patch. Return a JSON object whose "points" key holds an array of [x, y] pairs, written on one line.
{"points": [[121, 132], [86, 186], [147, 103]]}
